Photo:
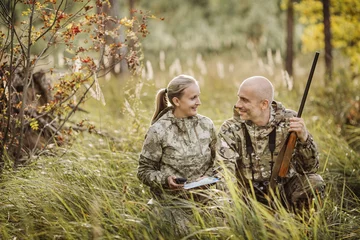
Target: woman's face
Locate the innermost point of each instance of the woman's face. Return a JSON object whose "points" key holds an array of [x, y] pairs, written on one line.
{"points": [[187, 105]]}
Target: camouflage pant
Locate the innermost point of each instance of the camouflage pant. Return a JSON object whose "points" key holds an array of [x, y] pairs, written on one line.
{"points": [[301, 189], [180, 218], [178, 214], [297, 191]]}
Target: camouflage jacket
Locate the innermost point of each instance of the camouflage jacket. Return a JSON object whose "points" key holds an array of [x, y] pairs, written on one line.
{"points": [[178, 147], [231, 148]]}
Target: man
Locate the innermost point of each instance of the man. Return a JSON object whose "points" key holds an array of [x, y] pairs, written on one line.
{"points": [[249, 143]]}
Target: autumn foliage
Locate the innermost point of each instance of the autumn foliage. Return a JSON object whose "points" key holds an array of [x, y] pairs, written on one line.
{"points": [[33, 110]]}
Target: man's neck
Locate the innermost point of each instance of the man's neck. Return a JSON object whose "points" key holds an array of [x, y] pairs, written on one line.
{"points": [[263, 119]]}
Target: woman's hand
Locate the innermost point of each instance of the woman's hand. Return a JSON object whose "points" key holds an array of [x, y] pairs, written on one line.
{"points": [[173, 185]]}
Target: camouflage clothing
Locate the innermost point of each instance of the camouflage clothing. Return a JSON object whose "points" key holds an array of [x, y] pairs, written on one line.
{"points": [[177, 147], [257, 169], [182, 148]]}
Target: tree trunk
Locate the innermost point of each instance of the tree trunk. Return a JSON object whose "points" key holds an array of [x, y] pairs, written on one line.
{"points": [[327, 33], [131, 7], [123, 63], [290, 38]]}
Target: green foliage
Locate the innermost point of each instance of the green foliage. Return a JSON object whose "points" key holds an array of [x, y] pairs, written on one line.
{"points": [[215, 26]]}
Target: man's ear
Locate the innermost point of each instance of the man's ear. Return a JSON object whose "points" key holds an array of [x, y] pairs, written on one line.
{"points": [[176, 101], [265, 104]]}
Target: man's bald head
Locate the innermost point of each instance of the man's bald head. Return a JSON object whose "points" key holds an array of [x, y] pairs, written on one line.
{"points": [[261, 86]]}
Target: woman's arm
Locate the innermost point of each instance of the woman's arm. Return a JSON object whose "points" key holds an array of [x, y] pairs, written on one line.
{"points": [[149, 162]]}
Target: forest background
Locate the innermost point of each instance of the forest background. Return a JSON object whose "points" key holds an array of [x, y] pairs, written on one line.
{"points": [[86, 187]]}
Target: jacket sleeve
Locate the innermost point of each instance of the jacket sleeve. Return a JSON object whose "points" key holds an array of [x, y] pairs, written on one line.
{"points": [[227, 151], [210, 171], [306, 157], [149, 163]]}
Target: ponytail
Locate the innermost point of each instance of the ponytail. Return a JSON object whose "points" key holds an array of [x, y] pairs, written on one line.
{"points": [[161, 102]]}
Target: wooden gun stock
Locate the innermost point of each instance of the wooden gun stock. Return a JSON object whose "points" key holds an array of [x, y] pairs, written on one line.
{"points": [[282, 163], [289, 149]]}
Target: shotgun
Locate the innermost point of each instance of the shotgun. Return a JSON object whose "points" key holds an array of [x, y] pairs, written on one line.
{"points": [[282, 162]]}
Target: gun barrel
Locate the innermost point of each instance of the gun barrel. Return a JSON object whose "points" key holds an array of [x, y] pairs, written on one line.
{"points": [[308, 84]]}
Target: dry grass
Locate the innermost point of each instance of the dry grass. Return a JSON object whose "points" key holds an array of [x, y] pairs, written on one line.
{"points": [[90, 191]]}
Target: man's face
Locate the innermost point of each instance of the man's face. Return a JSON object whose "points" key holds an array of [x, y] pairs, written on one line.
{"points": [[249, 105], [187, 105]]}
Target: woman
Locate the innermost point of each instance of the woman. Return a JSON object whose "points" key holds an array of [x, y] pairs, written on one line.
{"points": [[180, 143]]}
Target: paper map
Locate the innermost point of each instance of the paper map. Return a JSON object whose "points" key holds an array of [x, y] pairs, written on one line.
{"points": [[202, 182]]}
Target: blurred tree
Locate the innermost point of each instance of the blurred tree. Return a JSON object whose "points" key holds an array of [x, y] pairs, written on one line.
{"points": [[118, 9], [345, 25], [327, 34], [113, 9], [216, 26], [290, 38]]}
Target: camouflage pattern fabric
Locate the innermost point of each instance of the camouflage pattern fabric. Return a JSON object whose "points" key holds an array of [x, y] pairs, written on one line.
{"points": [[182, 148], [176, 216], [298, 191], [177, 147], [231, 150]]}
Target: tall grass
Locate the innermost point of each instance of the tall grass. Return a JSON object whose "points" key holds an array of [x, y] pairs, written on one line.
{"points": [[89, 190]]}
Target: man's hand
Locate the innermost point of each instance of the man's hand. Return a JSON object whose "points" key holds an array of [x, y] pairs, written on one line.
{"points": [[173, 185], [297, 125]]}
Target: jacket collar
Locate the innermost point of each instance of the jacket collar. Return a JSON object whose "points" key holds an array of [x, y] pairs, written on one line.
{"points": [[181, 123]]}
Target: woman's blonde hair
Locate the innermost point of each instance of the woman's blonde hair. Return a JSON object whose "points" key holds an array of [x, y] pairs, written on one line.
{"points": [[165, 96]]}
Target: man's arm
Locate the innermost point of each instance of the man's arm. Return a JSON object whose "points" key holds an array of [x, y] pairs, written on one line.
{"points": [[210, 171], [306, 158], [227, 149]]}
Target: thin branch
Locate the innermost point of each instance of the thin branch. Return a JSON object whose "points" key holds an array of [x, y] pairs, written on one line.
{"points": [[71, 112], [5, 13], [75, 15], [23, 47], [52, 25], [82, 97], [45, 126], [9, 107], [27, 78]]}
